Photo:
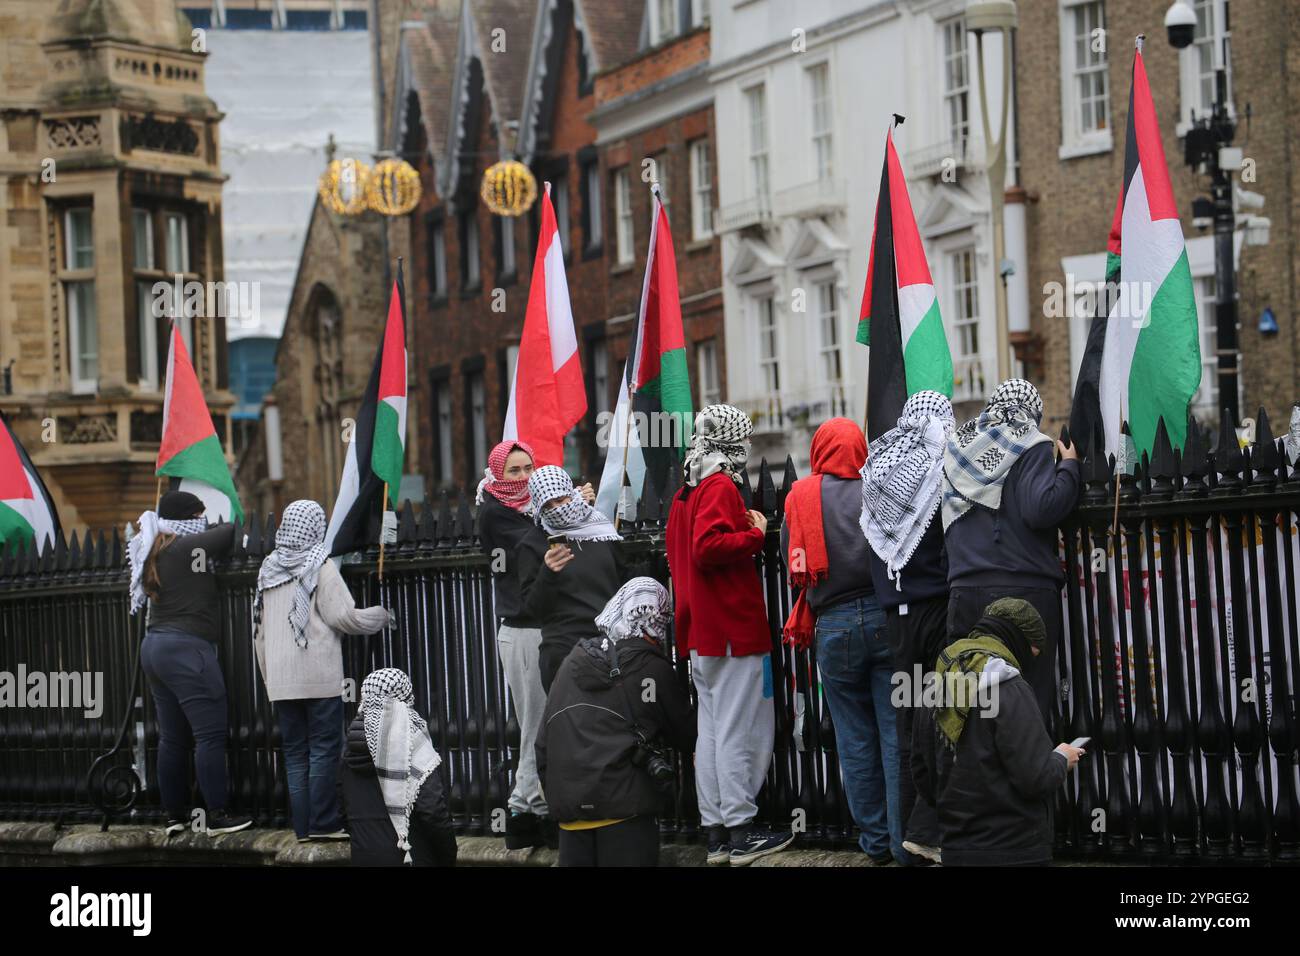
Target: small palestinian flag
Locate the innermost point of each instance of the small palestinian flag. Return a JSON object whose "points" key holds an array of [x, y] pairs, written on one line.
{"points": [[900, 318], [27, 512], [378, 445], [190, 453]]}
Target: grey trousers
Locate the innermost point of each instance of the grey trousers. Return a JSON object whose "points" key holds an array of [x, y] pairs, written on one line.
{"points": [[737, 725], [518, 649]]}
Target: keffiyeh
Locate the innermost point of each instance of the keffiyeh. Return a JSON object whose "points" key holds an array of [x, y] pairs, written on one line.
{"points": [[398, 740], [299, 553], [982, 452], [138, 548], [1292, 440], [576, 520], [639, 607], [720, 442], [902, 481], [512, 494]]}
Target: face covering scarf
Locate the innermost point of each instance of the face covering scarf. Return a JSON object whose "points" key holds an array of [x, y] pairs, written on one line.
{"points": [[576, 519], [298, 556]]}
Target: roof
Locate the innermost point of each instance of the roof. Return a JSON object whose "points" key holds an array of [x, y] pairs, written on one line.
{"points": [[613, 29]]}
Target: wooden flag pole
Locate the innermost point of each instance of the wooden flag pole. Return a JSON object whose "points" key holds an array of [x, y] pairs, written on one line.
{"points": [[383, 510]]}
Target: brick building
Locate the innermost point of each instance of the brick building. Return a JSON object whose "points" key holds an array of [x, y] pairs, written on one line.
{"points": [[1072, 100]]}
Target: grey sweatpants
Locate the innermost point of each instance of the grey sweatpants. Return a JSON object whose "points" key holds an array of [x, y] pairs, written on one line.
{"points": [[518, 649], [737, 724]]}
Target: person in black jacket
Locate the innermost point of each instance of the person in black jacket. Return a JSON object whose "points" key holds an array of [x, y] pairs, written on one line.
{"points": [[615, 699], [902, 483], [564, 586], [983, 756], [389, 785], [1004, 498]]}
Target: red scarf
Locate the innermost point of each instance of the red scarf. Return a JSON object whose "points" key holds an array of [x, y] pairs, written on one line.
{"points": [[839, 449], [512, 494]]}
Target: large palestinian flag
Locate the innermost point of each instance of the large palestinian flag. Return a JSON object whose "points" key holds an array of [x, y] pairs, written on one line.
{"points": [[378, 445], [547, 395], [27, 512], [900, 317], [659, 376], [190, 453], [1150, 364]]}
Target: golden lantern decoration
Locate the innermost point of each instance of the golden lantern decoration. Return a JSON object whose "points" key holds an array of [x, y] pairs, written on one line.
{"points": [[342, 186], [393, 187], [509, 188]]}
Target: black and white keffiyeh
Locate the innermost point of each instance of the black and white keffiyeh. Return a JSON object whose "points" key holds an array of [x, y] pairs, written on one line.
{"points": [[398, 740], [982, 452], [719, 442], [576, 519], [1292, 440], [138, 548], [902, 480], [641, 606], [299, 553]]}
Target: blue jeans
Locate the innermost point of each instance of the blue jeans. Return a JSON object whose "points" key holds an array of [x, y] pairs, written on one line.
{"points": [[189, 698], [311, 733], [856, 665]]}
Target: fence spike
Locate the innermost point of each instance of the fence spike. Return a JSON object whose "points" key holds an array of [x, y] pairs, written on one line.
{"points": [[464, 521], [406, 529], [1227, 455], [746, 492], [253, 533], [74, 553], [428, 530], [1161, 467], [116, 555], [445, 530], [1264, 457], [766, 490], [652, 506]]}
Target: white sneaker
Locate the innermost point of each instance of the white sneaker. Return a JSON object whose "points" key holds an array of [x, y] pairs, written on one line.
{"points": [[931, 853]]}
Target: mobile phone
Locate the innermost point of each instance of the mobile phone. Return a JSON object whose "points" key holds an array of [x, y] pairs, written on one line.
{"points": [[1080, 742], [555, 540]]}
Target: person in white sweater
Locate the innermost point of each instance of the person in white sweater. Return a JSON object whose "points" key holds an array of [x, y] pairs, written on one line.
{"points": [[301, 609]]}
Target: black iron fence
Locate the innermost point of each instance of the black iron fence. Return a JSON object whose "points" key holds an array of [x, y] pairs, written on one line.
{"points": [[1179, 659]]}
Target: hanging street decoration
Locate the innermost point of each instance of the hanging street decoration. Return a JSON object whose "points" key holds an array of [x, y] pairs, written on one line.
{"points": [[509, 188]]}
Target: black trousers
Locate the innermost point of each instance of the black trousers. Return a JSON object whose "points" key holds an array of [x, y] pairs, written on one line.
{"points": [[965, 608], [633, 842], [915, 638]]}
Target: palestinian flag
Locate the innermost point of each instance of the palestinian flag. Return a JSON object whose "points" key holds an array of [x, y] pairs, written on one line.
{"points": [[190, 453], [27, 512], [1150, 364], [660, 382], [378, 446], [1085, 410], [900, 318], [547, 395]]}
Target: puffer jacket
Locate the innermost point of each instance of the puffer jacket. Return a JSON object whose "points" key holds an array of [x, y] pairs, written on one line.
{"points": [[993, 794], [374, 840], [585, 746]]}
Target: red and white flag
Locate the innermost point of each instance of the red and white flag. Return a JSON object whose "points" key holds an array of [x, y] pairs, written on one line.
{"points": [[547, 395]]}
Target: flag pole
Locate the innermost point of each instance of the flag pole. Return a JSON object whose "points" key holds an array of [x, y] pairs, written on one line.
{"points": [[627, 423], [1114, 522], [157, 495], [383, 510]]}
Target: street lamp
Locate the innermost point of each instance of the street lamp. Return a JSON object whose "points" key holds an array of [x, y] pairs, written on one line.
{"points": [[1208, 149], [998, 15]]}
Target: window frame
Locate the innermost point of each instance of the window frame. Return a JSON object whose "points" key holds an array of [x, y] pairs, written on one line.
{"points": [[1190, 77], [758, 160], [624, 245], [77, 279], [823, 141], [829, 320], [701, 189], [764, 307], [706, 370], [471, 260], [592, 198], [953, 94], [1075, 141]]}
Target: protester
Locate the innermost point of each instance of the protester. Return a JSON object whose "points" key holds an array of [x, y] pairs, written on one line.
{"points": [[172, 560], [983, 757], [505, 518], [301, 608], [615, 700], [902, 482], [1003, 499], [390, 787], [564, 586], [828, 560], [721, 623]]}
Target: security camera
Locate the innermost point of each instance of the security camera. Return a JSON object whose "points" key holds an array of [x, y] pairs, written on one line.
{"points": [[1180, 22]]}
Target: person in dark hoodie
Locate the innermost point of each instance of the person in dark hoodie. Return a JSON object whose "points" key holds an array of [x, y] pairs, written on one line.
{"points": [[389, 785], [983, 757], [504, 520], [563, 586], [1004, 498], [902, 483], [614, 702], [827, 557], [172, 570]]}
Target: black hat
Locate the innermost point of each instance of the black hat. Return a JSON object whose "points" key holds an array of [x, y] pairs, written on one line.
{"points": [[179, 505]]}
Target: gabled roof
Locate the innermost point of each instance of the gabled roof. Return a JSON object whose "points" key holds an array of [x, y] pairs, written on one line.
{"points": [[611, 29], [428, 58], [503, 29]]}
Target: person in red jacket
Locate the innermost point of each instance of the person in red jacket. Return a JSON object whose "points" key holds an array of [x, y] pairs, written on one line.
{"points": [[721, 623]]}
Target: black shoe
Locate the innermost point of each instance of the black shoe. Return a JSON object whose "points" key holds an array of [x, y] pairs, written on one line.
{"points": [[757, 842], [219, 823], [885, 859], [550, 833], [524, 830], [719, 844]]}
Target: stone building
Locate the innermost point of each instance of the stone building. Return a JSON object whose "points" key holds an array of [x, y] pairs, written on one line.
{"points": [[111, 181], [1073, 69]]}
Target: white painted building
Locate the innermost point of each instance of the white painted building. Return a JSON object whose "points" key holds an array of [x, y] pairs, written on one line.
{"points": [[804, 95]]}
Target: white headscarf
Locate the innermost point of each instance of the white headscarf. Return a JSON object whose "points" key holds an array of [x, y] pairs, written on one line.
{"points": [[398, 740], [138, 548], [639, 607], [719, 442], [299, 553], [576, 520]]}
